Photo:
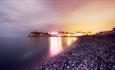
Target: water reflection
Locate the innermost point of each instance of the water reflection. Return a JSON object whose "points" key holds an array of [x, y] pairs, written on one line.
{"points": [[55, 45], [58, 44], [22, 51]]}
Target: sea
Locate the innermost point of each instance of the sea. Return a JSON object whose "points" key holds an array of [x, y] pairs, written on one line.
{"points": [[17, 53]]}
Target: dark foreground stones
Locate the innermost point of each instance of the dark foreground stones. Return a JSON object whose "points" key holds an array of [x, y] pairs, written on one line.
{"points": [[88, 53]]}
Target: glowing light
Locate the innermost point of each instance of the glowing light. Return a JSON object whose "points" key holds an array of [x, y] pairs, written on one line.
{"points": [[68, 34], [79, 34], [70, 40], [55, 45], [53, 33]]}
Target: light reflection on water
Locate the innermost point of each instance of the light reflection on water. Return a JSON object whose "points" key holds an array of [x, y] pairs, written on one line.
{"points": [[55, 45], [19, 51], [58, 44]]}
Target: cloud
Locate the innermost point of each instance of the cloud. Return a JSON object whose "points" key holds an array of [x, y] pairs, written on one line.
{"points": [[95, 17], [18, 17], [23, 15]]}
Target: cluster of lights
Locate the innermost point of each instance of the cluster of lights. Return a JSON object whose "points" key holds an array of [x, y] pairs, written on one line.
{"points": [[53, 33], [79, 34], [59, 34]]}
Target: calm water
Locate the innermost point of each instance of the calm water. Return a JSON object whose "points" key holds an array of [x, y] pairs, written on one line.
{"points": [[16, 52]]}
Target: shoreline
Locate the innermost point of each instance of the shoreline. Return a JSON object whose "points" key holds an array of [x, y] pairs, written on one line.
{"points": [[94, 52]]}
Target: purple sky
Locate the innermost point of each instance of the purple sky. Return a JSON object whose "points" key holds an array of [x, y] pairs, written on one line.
{"points": [[18, 17]]}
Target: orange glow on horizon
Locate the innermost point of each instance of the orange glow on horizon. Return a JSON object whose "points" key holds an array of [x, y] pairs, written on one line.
{"points": [[95, 17]]}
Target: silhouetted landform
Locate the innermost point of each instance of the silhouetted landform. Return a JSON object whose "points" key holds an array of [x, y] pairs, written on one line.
{"points": [[38, 34], [96, 52], [57, 34], [113, 29], [107, 34]]}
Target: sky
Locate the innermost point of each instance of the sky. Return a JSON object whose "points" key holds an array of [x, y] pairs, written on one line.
{"points": [[19, 17]]}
